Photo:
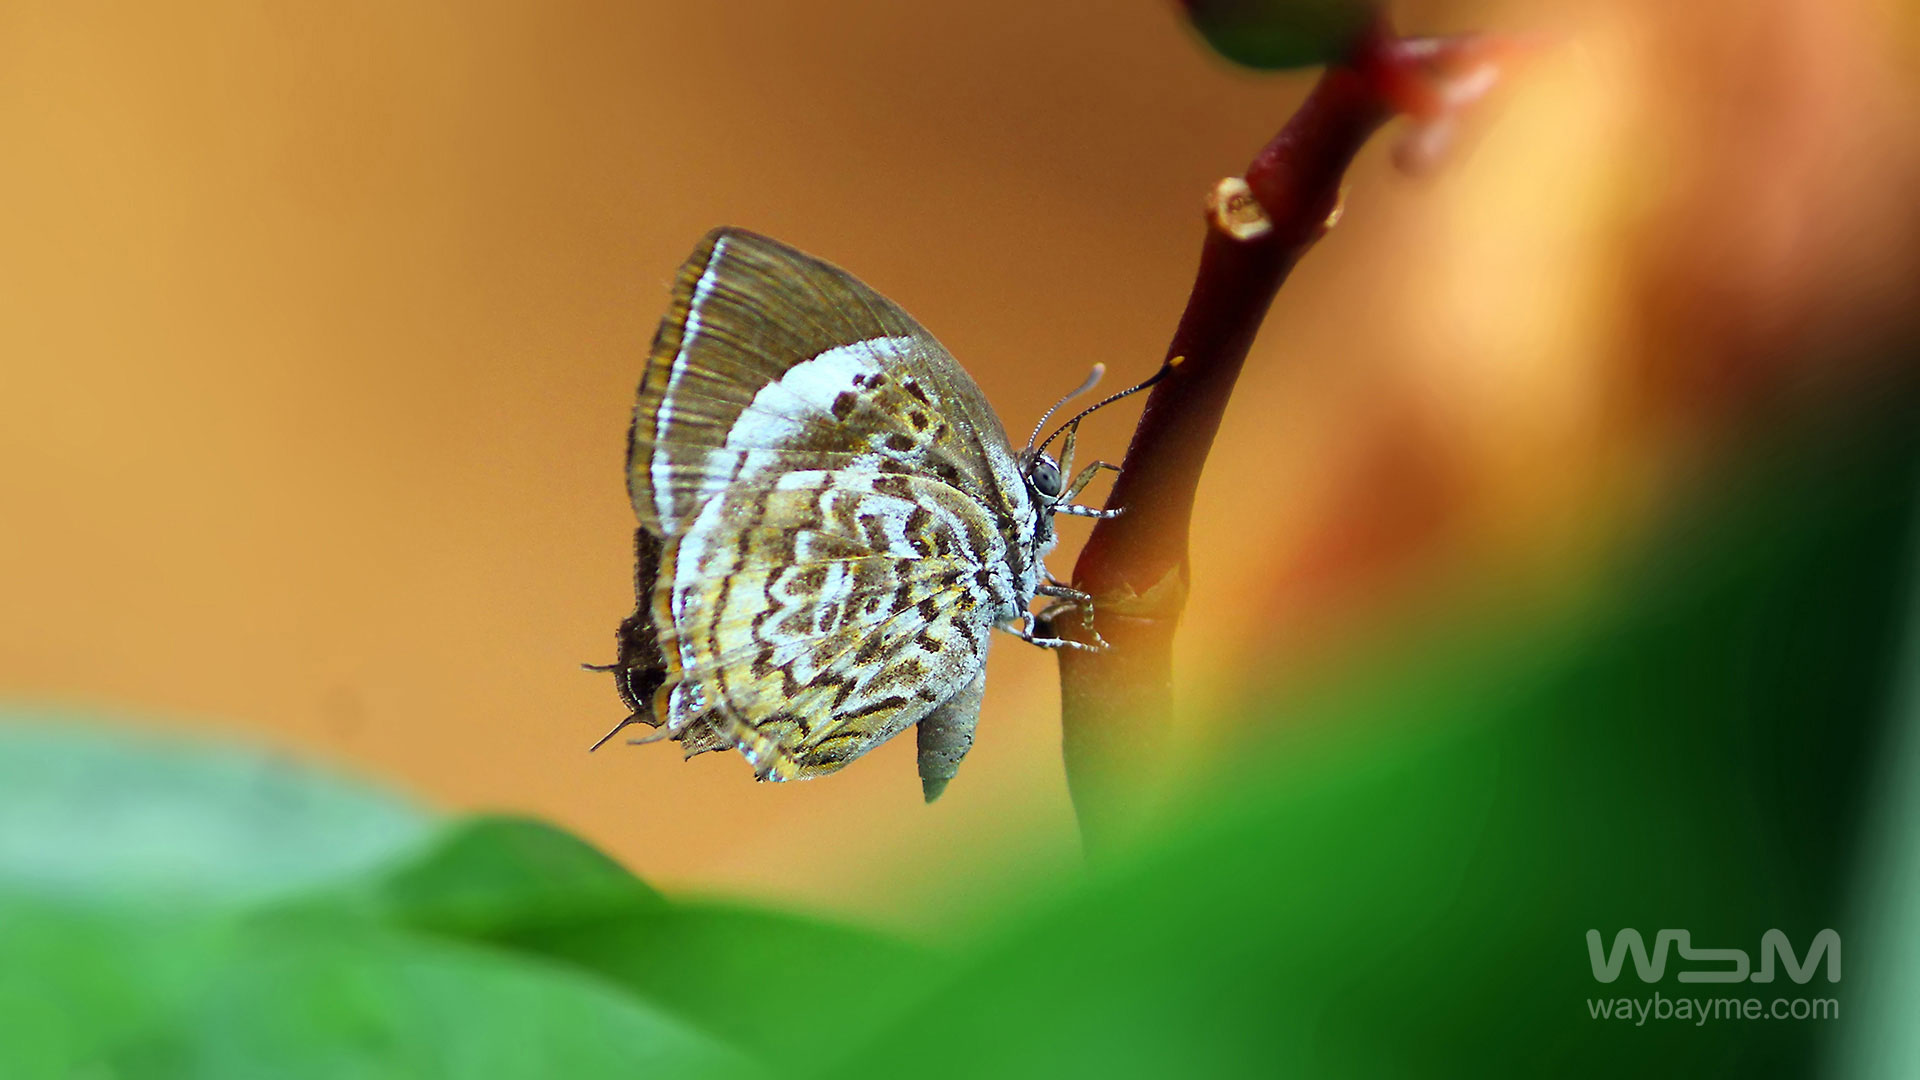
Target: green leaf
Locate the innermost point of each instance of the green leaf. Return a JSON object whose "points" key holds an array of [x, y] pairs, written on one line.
{"points": [[95, 993], [792, 990], [491, 877], [1407, 891], [170, 907], [798, 993], [1270, 34], [94, 811]]}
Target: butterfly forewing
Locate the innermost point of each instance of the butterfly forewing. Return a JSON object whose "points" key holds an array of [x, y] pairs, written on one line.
{"points": [[767, 361]]}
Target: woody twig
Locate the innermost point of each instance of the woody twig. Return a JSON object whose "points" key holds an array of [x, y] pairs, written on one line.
{"points": [[1117, 704]]}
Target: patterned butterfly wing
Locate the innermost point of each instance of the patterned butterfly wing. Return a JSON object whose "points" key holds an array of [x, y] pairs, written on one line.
{"points": [[834, 501], [810, 620], [770, 361]]}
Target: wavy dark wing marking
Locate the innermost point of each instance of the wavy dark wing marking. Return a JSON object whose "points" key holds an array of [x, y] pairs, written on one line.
{"points": [[811, 621]]}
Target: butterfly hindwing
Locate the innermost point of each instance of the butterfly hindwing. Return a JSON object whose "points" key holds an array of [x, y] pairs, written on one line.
{"points": [[818, 617]]}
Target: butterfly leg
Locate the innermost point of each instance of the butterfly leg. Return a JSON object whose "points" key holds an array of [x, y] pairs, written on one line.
{"points": [[1084, 477], [1069, 600], [1088, 511], [1025, 633], [1081, 479], [1065, 592]]}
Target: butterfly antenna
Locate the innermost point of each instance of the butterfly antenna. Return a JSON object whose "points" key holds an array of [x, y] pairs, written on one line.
{"points": [[1165, 369], [1093, 380]]}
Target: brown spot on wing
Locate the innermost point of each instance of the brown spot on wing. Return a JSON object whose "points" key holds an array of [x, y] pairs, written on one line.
{"points": [[919, 520]]}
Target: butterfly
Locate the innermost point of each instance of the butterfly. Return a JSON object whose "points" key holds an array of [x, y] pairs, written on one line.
{"points": [[833, 522]]}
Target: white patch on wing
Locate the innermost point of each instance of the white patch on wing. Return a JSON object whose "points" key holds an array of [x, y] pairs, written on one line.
{"points": [[892, 514], [661, 473], [688, 570], [783, 408], [804, 480], [778, 413]]}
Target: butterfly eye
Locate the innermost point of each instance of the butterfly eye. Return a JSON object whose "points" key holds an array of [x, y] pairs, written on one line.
{"points": [[1044, 475]]}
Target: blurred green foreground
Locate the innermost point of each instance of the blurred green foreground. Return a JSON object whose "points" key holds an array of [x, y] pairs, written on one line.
{"points": [[1729, 748]]}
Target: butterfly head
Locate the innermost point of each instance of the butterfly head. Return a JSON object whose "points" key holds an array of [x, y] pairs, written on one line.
{"points": [[1046, 489], [1048, 482], [1043, 478]]}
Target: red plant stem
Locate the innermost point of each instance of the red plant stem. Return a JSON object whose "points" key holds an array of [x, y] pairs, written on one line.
{"points": [[1117, 705]]}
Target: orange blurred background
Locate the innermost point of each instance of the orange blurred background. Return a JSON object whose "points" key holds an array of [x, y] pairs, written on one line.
{"points": [[321, 324]]}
